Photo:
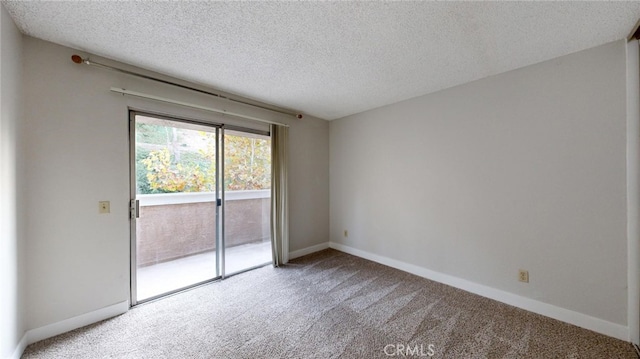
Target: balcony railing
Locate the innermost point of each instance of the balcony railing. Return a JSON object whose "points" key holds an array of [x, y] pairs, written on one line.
{"points": [[176, 225]]}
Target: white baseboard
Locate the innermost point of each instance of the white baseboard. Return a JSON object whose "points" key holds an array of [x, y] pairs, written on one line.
{"points": [[582, 320], [20, 348], [308, 250], [63, 326]]}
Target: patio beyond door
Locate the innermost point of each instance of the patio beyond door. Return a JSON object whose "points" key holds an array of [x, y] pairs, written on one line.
{"points": [[187, 195], [247, 201]]}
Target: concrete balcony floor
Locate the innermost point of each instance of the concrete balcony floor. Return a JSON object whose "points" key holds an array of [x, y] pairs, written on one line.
{"points": [[164, 277]]}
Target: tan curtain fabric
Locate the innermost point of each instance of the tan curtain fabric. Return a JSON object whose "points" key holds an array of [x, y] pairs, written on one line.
{"points": [[279, 198]]}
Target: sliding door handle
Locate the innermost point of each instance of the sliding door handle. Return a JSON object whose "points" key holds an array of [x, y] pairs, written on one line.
{"points": [[134, 208]]}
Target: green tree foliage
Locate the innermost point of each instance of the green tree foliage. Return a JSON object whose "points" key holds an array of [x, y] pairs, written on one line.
{"points": [[172, 167], [152, 134], [164, 175], [247, 163], [142, 182]]}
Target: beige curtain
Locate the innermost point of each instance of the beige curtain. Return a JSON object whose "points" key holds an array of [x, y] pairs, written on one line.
{"points": [[279, 198]]}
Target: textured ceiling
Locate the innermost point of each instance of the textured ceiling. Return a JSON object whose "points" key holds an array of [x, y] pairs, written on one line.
{"points": [[328, 59]]}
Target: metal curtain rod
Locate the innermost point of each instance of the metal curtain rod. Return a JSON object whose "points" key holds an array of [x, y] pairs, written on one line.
{"points": [[79, 60], [191, 105]]}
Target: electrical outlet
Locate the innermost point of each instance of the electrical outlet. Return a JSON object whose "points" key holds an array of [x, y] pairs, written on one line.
{"points": [[346, 233], [523, 276], [104, 207]]}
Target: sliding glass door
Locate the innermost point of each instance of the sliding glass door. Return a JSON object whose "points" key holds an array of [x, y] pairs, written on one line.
{"points": [[175, 205], [200, 203], [247, 199]]}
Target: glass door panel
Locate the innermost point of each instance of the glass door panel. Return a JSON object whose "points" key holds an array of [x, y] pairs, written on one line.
{"points": [[176, 191], [247, 201]]}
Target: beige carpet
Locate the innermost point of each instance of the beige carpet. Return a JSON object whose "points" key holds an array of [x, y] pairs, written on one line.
{"points": [[329, 305]]}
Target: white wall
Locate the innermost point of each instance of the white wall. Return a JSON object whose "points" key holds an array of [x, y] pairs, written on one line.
{"points": [[633, 189], [525, 169], [308, 184], [12, 269], [77, 155]]}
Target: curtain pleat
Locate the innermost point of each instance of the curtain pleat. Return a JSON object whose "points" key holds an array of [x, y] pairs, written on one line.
{"points": [[279, 198]]}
